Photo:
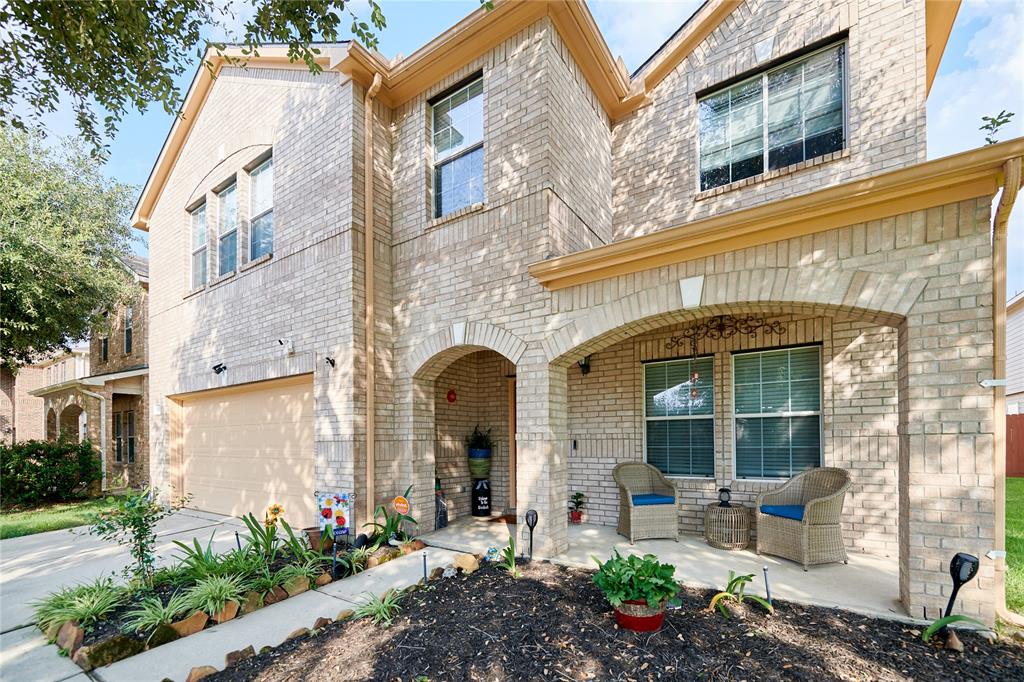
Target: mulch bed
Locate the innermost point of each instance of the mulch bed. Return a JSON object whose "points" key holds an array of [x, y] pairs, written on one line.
{"points": [[553, 623]]}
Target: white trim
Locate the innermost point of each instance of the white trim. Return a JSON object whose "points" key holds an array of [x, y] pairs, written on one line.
{"points": [[193, 250], [269, 161], [436, 163]]}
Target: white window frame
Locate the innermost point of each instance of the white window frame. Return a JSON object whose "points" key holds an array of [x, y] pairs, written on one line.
{"points": [[645, 418], [204, 248], [233, 229], [763, 75], [437, 162], [269, 161], [801, 413]]}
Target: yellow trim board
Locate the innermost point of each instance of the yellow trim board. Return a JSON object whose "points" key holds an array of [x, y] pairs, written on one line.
{"points": [[933, 183], [939, 16]]}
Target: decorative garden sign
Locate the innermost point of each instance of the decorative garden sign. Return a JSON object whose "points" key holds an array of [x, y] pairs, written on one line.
{"points": [[334, 513]]}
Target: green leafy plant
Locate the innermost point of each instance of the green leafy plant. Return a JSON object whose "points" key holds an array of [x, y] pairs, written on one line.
{"points": [[309, 569], [242, 562], [381, 609], [132, 522], [197, 560], [390, 525], [176, 575], [35, 471], [85, 604], [992, 124], [635, 578], [152, 612], [264, 581], [578, 501], [479, 440], [298, 546], [508, 558], [211, 594], [353, 562], [262, 538], [942, 623], [734, 592]]}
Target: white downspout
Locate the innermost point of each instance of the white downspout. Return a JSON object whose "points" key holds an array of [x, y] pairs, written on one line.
{"points": [[103, 433]]}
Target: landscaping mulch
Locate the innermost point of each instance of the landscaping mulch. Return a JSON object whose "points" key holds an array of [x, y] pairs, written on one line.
{"points": [[553, 623]]}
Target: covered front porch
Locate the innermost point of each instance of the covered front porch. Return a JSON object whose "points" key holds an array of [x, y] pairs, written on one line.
{"points": [[869, 584]]}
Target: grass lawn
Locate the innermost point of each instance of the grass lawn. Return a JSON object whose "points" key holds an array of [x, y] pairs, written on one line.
{"points": [[1015, 544], [55, 516]]}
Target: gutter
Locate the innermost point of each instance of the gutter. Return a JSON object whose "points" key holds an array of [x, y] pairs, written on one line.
{"points": [[103, 433], [368, 275], [1011, 186]]}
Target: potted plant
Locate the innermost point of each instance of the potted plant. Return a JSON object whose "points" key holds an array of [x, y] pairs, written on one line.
{"points": [[576, 504], [479, 445], [638, 588]]}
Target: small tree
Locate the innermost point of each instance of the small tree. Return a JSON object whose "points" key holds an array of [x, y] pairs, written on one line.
{"points": [[992, 124], [132, 523]]}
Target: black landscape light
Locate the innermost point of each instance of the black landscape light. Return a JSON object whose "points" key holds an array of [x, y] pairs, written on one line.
{"points": [[962, 569], [219, 367], [531, 523], [724, 495]]}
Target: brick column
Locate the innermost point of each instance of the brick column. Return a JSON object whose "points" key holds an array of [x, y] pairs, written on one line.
{"points": [[542, 454]]}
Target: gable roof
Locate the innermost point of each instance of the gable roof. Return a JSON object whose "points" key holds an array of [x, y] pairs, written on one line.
{"points": [[618, 92]]}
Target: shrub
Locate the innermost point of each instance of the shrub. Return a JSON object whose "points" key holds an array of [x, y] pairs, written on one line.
{"points": [[636, 579], [391, 524], [479, 440], [734, 592], [309, 569], [381, 609], [212, 594], [85, 604], [132, 522], [151, 612], [36, 471]]}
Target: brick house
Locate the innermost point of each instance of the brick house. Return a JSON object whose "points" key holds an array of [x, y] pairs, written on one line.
{"points": [[100, 390], [21, 413], [599, 267]]}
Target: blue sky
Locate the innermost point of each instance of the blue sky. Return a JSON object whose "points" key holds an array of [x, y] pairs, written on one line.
{"points": [[982, 72]]}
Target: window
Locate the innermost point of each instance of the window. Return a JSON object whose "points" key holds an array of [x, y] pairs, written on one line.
{"points": [[803, 104], [130, 428], [227, 232], [261, 225], [679, 404], [104, 350], [778, 412], [199, 247], [128, 314], [118, 438], [458, 134]]}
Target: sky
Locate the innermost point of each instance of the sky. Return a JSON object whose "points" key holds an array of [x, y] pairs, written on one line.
{"points": [[982, 72]]}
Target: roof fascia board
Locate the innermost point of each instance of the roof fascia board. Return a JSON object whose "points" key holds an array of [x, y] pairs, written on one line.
{"points": [[950, 179], [939, 18]]}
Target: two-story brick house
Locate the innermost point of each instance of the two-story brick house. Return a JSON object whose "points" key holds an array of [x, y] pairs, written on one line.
{"points": [[733, 264], [100, 390]]}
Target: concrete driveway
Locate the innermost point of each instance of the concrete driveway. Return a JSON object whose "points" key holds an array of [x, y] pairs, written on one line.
{"points": [[35, 565]]}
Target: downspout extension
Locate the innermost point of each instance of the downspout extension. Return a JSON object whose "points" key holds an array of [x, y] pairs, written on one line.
{"points": [[1012, 179], [103, 433], [369, 271]]}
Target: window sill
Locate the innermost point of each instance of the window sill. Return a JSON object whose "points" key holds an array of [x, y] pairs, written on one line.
{"points": [[455, 215], [223, 278], [194, 292], [771, 175], [259, 261]]}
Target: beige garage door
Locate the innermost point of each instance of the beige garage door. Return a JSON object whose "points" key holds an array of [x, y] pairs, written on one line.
{"points": [[250, 446]]}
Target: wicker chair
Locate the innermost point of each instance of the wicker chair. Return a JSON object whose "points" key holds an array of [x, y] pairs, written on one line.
{"points": [[814, 536], [639, 518]]}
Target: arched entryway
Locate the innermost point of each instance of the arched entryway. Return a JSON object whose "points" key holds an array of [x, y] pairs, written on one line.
{"points": [[51, 425], [71, 423]]}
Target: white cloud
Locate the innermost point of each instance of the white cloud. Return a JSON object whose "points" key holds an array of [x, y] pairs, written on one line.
{"points": [[635, 29]]}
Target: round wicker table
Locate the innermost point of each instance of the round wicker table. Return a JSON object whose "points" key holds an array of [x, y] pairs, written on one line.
{"points": [[727, 527]]}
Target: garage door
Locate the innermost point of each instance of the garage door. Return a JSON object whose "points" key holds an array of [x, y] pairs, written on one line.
{"points": [[248, 447]]}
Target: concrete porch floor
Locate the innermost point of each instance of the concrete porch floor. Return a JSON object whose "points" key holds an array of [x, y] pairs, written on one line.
{"points": [[869, 584]]}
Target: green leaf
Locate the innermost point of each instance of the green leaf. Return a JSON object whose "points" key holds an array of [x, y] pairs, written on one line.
{"points": [[949, 620]]}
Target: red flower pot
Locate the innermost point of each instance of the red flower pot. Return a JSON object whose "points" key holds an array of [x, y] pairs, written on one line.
{"points": [[636, 615], [576, 517]]}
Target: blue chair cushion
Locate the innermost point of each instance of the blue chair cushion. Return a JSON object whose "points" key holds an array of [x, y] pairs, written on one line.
{"points": [[786, 511], [652, 498]]}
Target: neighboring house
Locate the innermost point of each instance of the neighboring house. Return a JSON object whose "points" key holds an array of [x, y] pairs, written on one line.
{"points": [[734, 264], [100, 391], [1015, 355], [21, 413]]}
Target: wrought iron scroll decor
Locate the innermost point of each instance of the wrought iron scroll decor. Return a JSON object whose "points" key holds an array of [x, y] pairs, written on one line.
{"points": [[723, 327]]}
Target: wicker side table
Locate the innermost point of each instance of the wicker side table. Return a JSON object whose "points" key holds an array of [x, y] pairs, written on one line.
{"points": [[727, 527]]}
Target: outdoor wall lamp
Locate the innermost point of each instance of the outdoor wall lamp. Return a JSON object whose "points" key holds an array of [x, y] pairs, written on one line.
{"points": [[329, 360], [219, 368], [531, 523], [962, 569], [724, 495], [584, 365], [289, 345]]}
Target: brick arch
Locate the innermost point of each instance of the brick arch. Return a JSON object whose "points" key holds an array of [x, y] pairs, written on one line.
{"points": [[881, 298], [69, 421], [461, 338]]}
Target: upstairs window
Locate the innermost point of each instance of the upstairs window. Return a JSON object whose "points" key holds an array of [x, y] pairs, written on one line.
{"points": [[128, 314], [199, 247], [679, 416], [227, 231], [775, 119], [778, 412], [261, 225], [104, 351], [458, 137]]}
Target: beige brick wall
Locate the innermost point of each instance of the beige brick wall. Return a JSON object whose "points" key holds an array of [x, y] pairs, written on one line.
{"points": [[117, 359], [655, 148], [21, 415]]}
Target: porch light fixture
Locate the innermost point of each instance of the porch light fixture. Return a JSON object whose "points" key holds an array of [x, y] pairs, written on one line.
{"points": [[531, 523], [962, 569], [724, 495], [219, 368], [584, 365], [723, 327]]}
